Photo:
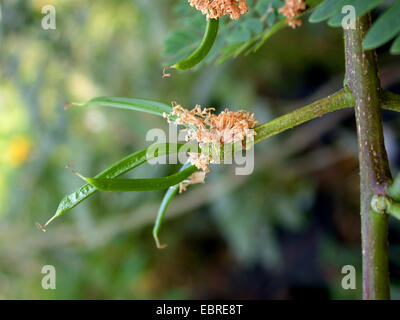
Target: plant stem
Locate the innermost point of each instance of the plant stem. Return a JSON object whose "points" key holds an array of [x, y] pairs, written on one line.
{"points": [[339, 100], [362, 78]]}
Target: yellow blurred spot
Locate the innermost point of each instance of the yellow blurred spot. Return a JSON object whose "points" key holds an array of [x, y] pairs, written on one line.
{"points": [[39, 4], [81, 87], [18, 150]]}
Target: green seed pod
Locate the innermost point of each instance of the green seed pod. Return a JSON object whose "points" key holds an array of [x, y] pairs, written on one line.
{"points": [[132, 185], [169, 195], [205, 46]]}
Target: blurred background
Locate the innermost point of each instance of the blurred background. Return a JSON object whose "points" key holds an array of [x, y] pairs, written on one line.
{"points": [[284, 232]]}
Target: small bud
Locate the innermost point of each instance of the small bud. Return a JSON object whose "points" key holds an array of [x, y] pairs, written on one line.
{"points": [[379, 203]]}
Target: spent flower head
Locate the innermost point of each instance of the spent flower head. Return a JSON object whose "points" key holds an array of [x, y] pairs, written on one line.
{"points": [[292, 9], [208, 128], [215, 9]]}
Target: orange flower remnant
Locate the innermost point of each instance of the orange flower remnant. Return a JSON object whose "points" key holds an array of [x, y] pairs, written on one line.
{"points": [[215, 9], [208, 128], [292, 9]]}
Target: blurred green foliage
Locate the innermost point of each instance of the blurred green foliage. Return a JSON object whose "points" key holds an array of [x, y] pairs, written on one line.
{"points": [[283, 232]]}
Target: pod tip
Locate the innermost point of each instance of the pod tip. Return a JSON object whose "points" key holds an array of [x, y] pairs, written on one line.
{"points": [[165, 74], [40, 227]]}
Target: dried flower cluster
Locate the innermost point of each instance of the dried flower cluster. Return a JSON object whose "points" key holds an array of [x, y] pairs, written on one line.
{"points": [[215, 9], [207, 129], [292, 9]]}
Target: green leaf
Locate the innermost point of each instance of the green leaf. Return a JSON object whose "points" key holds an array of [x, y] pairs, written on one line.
{"points": [[180, 39], [228, 51], [271, 18], [395, 49], [149, 106], [271, 31], [313, 3], [239, 35], [325, 10], [361, 7], [262, 6], [267, 9], [253, 24], [384, 29], [121, 167], [277, 27], [246, 46]]}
